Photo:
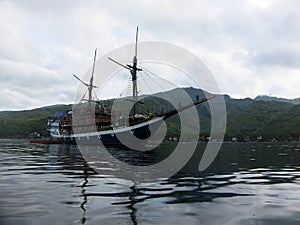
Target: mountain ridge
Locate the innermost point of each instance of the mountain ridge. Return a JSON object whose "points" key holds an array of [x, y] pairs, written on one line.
{"points": [[272, 118], [279, 99]]}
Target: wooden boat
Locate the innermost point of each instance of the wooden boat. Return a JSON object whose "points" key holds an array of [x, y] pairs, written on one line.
{"points": [[89, 122]]}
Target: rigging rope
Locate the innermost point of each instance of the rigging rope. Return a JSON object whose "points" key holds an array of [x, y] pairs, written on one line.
{"points": [[146, 71]]}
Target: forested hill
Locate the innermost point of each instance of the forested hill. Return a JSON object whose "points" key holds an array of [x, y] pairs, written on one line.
{"points": [[19, 124], [247, 118], [267, 98], [270, 119]]}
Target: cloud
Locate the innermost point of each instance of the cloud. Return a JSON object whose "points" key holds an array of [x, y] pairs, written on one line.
{"points": [[245, 45]]}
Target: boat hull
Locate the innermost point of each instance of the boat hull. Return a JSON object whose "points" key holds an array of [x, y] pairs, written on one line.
{"points": [[115, 137]]}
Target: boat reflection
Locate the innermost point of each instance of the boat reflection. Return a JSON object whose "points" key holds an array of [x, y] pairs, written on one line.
{"points": [[237, 166]]}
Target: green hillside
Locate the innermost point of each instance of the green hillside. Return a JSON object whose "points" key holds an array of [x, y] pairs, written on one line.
{"points": [[270, 119], [22, 123], [266, 98], [245, 117], [284, 126]]}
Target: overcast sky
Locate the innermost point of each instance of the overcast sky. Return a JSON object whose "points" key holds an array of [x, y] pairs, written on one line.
{"points": [[252, 47]]}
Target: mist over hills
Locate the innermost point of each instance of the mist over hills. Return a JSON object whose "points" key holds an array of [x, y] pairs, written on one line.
{"points": [[264, 116]]}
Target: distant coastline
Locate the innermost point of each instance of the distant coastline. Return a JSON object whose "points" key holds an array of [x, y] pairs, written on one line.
{"points": [[264, 118]]}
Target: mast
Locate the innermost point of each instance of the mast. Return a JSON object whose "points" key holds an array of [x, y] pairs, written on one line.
{"points": [[133, 70], [90, 86]]}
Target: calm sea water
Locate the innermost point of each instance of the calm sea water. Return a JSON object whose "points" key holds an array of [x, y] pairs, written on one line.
{"points": [[248, 183]]}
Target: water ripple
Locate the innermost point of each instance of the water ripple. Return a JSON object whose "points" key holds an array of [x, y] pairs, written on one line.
{"points": [[247, 184]]}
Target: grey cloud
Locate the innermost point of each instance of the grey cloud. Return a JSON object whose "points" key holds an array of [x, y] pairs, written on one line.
{"points": [[277, 57], [44, 42]]}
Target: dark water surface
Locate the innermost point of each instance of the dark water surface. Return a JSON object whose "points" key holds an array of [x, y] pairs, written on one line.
{"points": [[248, 183]]}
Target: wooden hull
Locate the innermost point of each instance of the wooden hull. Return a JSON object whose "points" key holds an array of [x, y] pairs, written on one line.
{"points": [[112, 137], [116, 137]]}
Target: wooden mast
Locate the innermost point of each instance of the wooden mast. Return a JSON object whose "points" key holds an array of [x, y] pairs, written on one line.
{"points": [[133, 70], [90, 86]]}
